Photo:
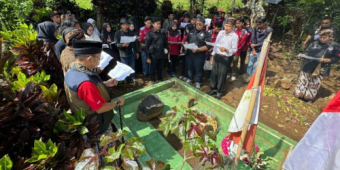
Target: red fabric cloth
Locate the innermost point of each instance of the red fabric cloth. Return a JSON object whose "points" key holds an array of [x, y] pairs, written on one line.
{"points": [[213, 40], [89, 93], [243, 40], [174, 49], [184, 37], [213, 22], [222, 20], [142, 33], [180, 20]]}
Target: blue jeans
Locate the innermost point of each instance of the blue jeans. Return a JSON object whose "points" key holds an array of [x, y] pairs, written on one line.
{"points": [[130, 61], [252, 63], [195, 66], [146, 66]]}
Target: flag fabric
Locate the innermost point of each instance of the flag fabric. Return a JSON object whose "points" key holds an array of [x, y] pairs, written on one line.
{"points": [[236, 125], [319, 149]]}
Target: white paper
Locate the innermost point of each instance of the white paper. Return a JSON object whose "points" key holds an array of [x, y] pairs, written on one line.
{"points": [[105, 46], [190, 46], [183, 24], [105, 60], [213, 44], [308, 57], [113, 42], [127, 39], [207, 21], [121, 71]]}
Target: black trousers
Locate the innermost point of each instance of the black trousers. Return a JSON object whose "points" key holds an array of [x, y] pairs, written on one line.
{"points": [[172, 66], [221, 67], [243, 56], [156, 65], [184, 67]]}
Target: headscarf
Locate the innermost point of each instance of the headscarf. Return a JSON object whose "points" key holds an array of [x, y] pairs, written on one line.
{"points": [[134, 21], [46, 31], [93, 37], [173, 32], [95, 29], [73, 35], [107, 34], [85, 26]]}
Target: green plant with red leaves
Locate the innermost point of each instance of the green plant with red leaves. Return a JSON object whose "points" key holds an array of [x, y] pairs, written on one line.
{"points": [[197, 131], [128, 152]]}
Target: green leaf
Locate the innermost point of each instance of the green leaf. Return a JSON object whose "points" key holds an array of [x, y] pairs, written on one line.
{"points": [[108, 168], [113, 137], [22, 77], [5, 163], [139, 147], [83, 130], [69, 117], [39, 148], [127, 153], [80, 115]]}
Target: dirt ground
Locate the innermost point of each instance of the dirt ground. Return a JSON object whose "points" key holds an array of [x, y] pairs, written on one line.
{"points": [[280, 110]]}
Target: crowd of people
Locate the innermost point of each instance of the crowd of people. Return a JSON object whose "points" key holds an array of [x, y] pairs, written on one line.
{"points": [[82, 45]]}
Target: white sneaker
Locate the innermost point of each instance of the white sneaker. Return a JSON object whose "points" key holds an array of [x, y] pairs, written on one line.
{"points": [[185, 79], [181, 77], [233, 78], [189, 81], [198, 85], [228, 76]]}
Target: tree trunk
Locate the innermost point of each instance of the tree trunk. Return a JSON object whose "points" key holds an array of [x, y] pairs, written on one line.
{"points": [[99, 20], [232, 5], [274, 18]]}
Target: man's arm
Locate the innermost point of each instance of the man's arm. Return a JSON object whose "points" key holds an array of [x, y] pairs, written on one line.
{"points": [[147, 44], [89, 93], [117, 40]]}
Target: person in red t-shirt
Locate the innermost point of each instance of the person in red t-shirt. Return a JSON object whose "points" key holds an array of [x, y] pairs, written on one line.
{"points": [[244, 38], [214, 21], [174, 41], [222, 18], [142, 34]]}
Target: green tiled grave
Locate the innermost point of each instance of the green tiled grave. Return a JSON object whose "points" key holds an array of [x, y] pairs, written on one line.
{"points": [[175, 92]]}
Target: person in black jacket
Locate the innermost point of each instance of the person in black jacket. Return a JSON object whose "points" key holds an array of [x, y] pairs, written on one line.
{"points": [[156, 46], [328, 53], [196, 58], [128, 51]]}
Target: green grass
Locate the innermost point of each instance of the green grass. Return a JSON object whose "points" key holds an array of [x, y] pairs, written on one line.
{"points": [[224, 5]]}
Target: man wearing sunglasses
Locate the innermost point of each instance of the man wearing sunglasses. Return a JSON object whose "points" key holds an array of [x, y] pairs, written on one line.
{"points": [[196, 57], [314, 33]]}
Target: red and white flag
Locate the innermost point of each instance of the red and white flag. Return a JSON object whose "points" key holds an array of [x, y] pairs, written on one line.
{"points": [[236, 125], [319, 149]]}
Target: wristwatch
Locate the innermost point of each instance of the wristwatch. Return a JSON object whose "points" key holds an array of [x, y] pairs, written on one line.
{"points": [[117, 102]]}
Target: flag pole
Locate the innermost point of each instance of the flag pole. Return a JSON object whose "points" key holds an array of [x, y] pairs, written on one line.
{"points": [[254, 92]]}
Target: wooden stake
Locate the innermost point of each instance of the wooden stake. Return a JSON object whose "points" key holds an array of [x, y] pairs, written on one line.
{"points": [[254, 92]]}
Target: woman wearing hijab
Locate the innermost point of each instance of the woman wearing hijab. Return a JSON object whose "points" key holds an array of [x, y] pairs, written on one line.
{"points": [[47, 32], [93, 23], [174, 41], [70, 35], [89, 32], [108, 38], [325, 52]]}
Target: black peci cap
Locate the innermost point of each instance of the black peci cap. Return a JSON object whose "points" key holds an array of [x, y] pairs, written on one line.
{"points": [[87, 47]]}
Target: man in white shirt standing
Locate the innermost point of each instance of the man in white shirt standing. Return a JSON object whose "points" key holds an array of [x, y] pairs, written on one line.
{"points": [[222, 56]]}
